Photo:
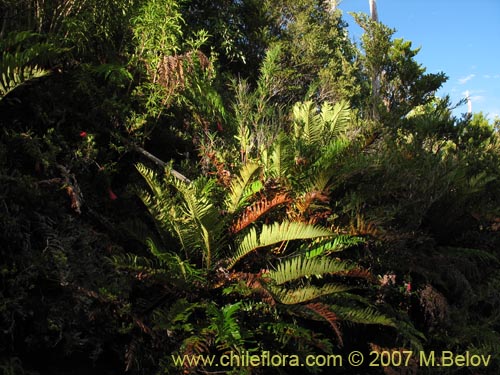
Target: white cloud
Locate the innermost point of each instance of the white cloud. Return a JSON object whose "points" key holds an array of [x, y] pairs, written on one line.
{"points": [[464, 80]]}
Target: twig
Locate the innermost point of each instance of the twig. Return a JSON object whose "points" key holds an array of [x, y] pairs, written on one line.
{"points": [[161, 163]]}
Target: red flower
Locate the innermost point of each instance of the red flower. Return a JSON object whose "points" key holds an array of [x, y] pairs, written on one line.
{"points": [[112, 195], [408, 287], [83, 134], [219, 127]]}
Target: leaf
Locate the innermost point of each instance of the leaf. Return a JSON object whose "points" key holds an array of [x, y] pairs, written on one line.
{"points": [[298, 267], [253, 212], [241, 189], [306, 293], [277, 233], [325, 312]]}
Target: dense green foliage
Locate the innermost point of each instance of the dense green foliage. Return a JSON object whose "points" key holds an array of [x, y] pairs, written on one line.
{"points": [[195, 178]]}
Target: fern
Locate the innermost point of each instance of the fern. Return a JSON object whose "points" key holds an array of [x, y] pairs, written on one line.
{"points": [[224, 325], [340, 243], [280, 162], [307, 125], [274, 234], [336, 118], [325, 312], [241, 188], [367, 315], [298, 267], [253, 212], [306, 293], [18, 61]]}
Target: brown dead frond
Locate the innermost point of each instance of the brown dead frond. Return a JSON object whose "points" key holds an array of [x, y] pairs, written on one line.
{"points": [[172, 71], [435, 306], [253, 212], [325, 312], [362, 227]]}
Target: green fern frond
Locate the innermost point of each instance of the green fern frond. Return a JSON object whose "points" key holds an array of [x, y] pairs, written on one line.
{"points": [[14, 76], [307, 125], [200, 226], [336, 118], [280, 161], [20, 59], [298, 267], [174, 263], [142, 267], [242, 188], [225, 325], [277, 233], [175, 317], [306, 293], [367, 315], [340, 243]]}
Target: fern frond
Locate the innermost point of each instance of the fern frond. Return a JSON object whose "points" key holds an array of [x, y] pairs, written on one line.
{"points": [[298, 267], [13, 76], [280, 160], [18, 62], [141, 267], [173, 263], [367, 315], [241, 187], [324, 311], [337, 117], [277, 233], [306, 293], [340, 243], [253, 212], [201, 225], [307, 124]]}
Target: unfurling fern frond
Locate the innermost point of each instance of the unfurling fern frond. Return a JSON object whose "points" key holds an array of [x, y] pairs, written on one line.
{"points": [[277, 233], [253, 212], [299, 267]]}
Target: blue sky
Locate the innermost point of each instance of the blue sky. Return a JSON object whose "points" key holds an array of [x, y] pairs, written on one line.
{"points": [[458, 37]]}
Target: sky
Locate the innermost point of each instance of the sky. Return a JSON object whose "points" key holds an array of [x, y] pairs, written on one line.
{"points": [[458, 37]]}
